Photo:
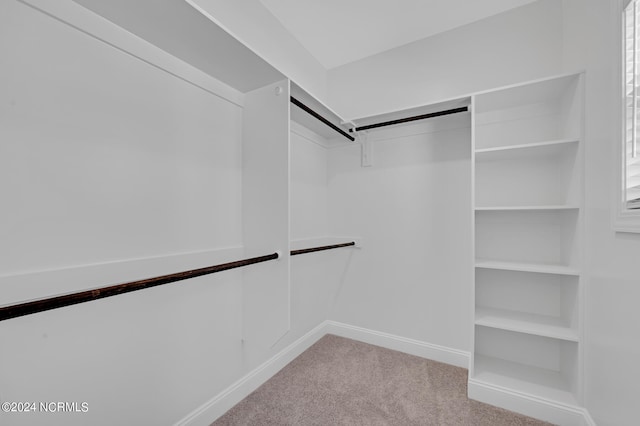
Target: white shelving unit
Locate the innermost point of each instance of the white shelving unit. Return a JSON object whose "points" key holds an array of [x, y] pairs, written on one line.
{"points": [[528, 191]]}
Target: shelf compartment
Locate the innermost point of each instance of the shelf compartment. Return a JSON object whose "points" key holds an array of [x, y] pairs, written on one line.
{"points": [[547, 175], [527, 267], [540, 366], [522, 322], [539, 237], [546, 110], [523, 378], [544, 304]]}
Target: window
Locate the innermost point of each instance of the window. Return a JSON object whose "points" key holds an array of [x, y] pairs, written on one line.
{"points": [[628, 208], [632, 100]]}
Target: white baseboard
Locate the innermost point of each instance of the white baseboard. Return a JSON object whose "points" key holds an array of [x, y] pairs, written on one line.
{"points": [[402, 344], [221, 403], [529, 405], [525, 404]]}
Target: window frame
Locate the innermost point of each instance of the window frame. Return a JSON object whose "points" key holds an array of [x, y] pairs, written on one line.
{"points": [[625, 219]]}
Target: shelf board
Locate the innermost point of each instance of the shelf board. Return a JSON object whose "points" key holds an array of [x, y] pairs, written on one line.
{"points": [[527, 146], [527, 208], [523, 378], [530, 92], [523, 322], [527, 267]]}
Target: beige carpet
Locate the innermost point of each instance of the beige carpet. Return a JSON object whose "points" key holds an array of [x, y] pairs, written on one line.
{"points": [[340, 381]]}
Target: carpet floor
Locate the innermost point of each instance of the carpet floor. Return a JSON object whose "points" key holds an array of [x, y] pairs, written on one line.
{"points": [[339, 381]]}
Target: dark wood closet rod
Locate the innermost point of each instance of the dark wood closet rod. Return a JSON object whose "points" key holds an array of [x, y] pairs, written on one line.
{"points": [[408, 119], [321, 248], [47, 304], [27, 308], [321, 118]]}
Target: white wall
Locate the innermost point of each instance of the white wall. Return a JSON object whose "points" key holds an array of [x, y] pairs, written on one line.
{"points": [[98, 163], [413, 211], [515, 46], [315, 277], [612, 371], [308, 184]]}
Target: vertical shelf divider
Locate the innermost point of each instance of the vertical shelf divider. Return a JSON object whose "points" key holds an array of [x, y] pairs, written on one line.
{"points": [[265, 209]]}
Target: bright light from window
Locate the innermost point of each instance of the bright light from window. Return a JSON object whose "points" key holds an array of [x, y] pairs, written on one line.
{"points": [[632, 100]]}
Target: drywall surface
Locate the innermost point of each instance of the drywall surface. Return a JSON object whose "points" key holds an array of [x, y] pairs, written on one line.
{"points": [[412, 209], [105, 157], [518, 45], [308, 185], [355, 25], [612, 323], [315, 277]]}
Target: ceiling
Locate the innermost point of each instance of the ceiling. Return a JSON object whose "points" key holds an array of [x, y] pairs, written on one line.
{"points": [[337, 32]]}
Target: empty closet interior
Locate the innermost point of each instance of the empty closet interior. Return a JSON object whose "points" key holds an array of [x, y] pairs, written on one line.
{"points": [[382, 191], [458, 224]]}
